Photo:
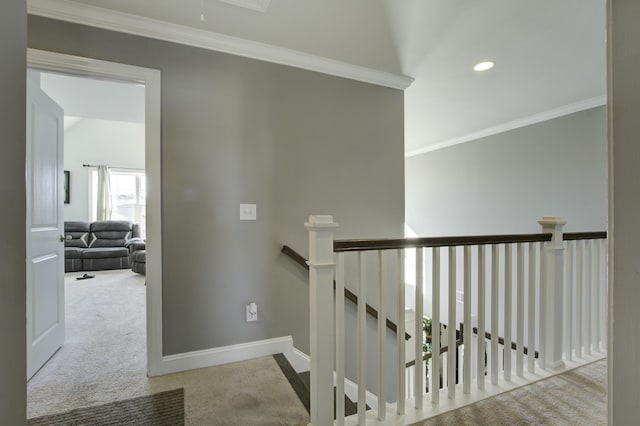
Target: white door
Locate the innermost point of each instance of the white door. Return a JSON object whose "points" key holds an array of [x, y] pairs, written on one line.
{"points": [[45, 231]]}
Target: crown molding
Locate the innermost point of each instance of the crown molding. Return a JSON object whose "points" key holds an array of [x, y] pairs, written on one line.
{"points": [[257, 5], [69, 11], [511, 125]]}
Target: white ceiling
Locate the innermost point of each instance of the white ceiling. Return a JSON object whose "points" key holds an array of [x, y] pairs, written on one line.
{"points": [[83, 97], [549, 54]]}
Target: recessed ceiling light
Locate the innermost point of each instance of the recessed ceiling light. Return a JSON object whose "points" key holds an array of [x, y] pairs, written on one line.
{"points": [[483, 66]]}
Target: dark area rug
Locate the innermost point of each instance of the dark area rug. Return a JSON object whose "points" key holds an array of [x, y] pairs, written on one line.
{"points": [[161, 409]]}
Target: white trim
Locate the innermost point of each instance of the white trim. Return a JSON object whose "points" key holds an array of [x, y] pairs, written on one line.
{"points": [[69, 11], [301, 362], [226, 354], [511, 125], [151, 79], [351, 390]]}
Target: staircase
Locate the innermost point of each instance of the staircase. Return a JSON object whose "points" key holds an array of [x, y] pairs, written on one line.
{"points": [[301, 384], [508, 292]]}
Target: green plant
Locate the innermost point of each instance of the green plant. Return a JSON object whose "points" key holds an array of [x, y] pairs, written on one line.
{"points": [[426, 329]]}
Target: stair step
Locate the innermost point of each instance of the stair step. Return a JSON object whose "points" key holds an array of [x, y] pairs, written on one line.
{"points": [[350, 407], [301, 383], [298, 385]]}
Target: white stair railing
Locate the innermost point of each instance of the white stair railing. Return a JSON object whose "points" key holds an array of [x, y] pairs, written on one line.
{"points": [[546, 290]]}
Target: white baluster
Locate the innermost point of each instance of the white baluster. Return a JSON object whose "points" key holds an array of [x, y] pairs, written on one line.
{"points": [[451, 326], [568, 303], [382, 334], [362, 338], [400, 341], [495, 309], [417, 331], [520, 310], [587, 296], [542, 307], [340, 349], [579, 285], [435, 326], [595, 323], [593, 305], [531, 310], [466, 338], [603, 295], [508, 300], [481, 316], [409, 385]]}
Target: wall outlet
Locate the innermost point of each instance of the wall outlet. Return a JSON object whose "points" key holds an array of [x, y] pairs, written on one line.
{"points": [[252, 312]]}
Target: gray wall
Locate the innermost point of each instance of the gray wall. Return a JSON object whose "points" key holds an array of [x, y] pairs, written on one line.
{"points": [[506, 182], [236, 130], [624, 204], [13, 35]]}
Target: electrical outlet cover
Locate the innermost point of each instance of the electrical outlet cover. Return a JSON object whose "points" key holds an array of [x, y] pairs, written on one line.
{"points": [[248, 212], [252, 312]]}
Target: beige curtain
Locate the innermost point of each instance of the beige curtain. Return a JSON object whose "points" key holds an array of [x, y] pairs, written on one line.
{"points": [[103, 209]]}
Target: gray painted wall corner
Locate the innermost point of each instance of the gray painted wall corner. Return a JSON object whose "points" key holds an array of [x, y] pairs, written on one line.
{"points": [[13, 33]]}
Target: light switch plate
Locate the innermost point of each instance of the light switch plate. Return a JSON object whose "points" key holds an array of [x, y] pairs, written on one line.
{"points": [[248, 212]]}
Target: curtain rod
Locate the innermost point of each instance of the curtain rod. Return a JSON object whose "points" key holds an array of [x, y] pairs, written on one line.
{"points": [[113, 167]]}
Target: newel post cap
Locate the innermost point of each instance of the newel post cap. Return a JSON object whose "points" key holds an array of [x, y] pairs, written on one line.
{"points": [[548, 221], [317, 222]]}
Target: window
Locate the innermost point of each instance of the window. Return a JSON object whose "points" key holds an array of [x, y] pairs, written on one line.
{"points": [[128, 195]]}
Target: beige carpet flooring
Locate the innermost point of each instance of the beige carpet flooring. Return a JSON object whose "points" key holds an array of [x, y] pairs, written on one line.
{"points": [[104, 358], [577, 397]]}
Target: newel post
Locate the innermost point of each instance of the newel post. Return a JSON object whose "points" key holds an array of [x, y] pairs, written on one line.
{"points": [[321, 267], [553, 291]]}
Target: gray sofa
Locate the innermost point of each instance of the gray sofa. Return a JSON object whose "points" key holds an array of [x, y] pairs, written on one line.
{"points": [[138, 257], [98, 245]]}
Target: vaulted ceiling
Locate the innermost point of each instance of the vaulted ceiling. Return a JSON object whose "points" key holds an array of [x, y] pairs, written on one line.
{"points": [[549, 55]]}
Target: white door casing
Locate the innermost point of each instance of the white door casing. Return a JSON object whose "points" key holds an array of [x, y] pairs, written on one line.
{"points": [[45, 229], [94, 68]]}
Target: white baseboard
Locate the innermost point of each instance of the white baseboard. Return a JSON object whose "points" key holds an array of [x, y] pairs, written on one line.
{"points": [[224, 355], [351, 390], [298, 360], [250, 350]]}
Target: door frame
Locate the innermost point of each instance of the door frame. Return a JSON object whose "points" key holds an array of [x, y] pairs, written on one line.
{"points": [[151, 78]]}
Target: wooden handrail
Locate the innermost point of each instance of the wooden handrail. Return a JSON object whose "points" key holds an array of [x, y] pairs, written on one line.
{"points": [[428, 355], [371, 311], [400, 243], [572, 236], [297, 257], [460, 341], [348, 294], [487, 335]]}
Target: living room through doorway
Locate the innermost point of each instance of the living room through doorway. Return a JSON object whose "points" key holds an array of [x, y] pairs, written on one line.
{"points": [[105, 315]]}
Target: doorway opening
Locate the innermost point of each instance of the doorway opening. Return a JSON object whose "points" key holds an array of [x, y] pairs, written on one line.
{"points": [[96, 138]]}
